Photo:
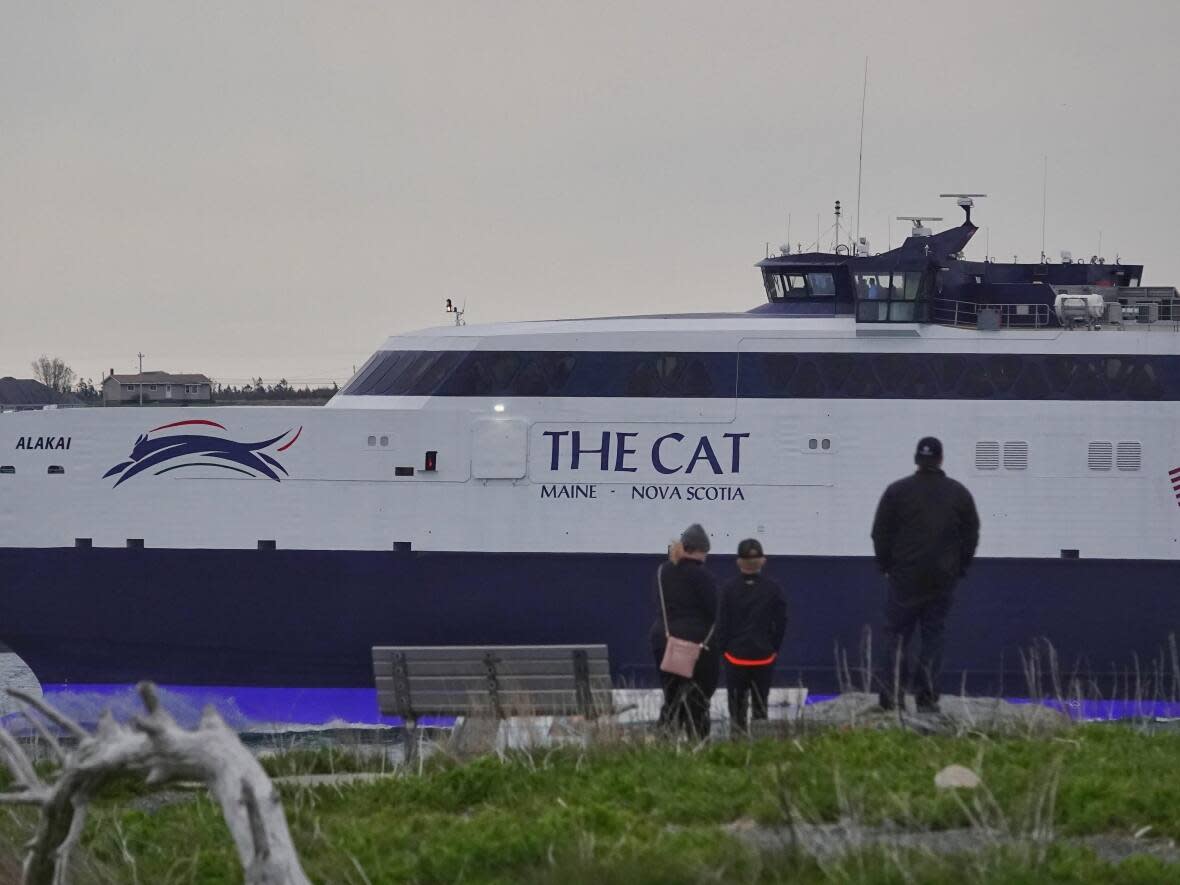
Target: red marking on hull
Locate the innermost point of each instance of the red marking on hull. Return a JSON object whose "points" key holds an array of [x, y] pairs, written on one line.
{"points": [[183, 423], [292, 442]]}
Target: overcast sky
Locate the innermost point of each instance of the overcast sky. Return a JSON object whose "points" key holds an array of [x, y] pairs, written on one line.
{"points": [[271, 188]]}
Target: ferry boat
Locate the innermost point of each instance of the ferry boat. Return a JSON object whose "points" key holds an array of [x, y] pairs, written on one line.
{"points": [[520, 482]]}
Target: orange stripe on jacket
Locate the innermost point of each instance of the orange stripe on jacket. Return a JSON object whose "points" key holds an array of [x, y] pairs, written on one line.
{"points": [[742, 662]]}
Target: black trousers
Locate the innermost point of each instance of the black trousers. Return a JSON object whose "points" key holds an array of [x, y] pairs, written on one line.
{"points": [[746, 684], [686, 701], [905, 617]]}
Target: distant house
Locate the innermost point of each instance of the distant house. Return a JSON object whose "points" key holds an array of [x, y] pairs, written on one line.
{"points": [[156, 387], [25, 392]]}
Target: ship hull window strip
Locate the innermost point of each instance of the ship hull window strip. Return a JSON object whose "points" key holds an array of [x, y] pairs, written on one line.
{"points": [[708, 375]]}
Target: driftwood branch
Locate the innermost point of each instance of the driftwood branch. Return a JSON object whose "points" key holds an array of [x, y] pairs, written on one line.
{"points": [[61, 720], [156, 747]]}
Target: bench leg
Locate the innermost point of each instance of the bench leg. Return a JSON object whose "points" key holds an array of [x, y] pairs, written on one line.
{"points": [[412, 738]]}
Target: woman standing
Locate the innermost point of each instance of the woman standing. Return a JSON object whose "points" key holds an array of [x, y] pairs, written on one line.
{"points": [[688, 610]]}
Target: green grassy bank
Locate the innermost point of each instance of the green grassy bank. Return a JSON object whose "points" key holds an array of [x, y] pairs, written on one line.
{"points": [[657, 812]]}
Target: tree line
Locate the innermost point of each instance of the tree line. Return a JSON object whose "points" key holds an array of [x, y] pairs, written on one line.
{"points": [[281, 389], [55, 374]]}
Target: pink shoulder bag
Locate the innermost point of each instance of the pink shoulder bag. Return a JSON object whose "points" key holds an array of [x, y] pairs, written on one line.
{"points": [[680, 655]]}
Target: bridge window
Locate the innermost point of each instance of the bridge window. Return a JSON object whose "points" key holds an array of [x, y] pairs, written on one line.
{"points": [[775, 287], [895, 297], [822, 284], [781, 286]]}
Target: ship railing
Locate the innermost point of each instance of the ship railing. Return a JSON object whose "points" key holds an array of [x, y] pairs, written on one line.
{"points": [[1142, 309], [973, 315]]}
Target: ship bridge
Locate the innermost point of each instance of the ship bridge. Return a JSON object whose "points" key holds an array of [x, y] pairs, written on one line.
{"points": [[927, 280]]}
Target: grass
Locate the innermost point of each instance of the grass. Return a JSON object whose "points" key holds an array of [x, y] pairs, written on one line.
{"points": [[657, 812]]}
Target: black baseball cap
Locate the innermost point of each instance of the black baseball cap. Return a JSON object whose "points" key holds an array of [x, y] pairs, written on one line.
{"points": [[929, 449], [750, 548]]}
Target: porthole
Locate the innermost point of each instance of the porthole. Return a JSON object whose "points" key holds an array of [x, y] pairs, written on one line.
{"points": [[825, 444], [812, 444], [372, 440], [385, 440], [55, 470], [7, 468]]}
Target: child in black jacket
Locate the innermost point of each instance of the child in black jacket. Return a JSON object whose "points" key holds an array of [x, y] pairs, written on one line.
{"points": [[755, 619]]}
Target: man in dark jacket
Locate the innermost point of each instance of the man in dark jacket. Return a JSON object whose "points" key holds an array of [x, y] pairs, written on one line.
{"points": [[924, 537], [754, 615], [688, 600]]}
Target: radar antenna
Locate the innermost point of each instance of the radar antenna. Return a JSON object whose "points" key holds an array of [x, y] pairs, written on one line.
{"points": [[919, 229], [965, 202]]}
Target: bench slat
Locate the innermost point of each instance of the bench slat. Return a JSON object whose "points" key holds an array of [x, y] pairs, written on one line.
{"points": [[479, 685], [478, 652], [512, 703], [505, 669]]}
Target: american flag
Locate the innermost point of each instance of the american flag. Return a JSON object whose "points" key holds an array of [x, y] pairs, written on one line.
{"points": [[1174, 474]]}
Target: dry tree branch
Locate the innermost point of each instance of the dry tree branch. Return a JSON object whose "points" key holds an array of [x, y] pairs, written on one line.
{"points": [[155, 746]]}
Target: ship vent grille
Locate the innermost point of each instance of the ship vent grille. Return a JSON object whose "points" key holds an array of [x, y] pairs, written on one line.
{"points": [[1016, 456], [987, 456], [1100, 455], [1129, 455]]}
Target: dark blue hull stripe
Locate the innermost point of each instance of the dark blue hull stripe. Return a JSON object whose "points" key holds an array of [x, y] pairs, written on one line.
{"points": [[309, 618], [726, 374]]}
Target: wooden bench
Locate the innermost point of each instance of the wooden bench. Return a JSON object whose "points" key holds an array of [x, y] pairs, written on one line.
{"points": [[497, 682]]}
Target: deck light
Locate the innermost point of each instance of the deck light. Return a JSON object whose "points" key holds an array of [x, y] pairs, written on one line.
{"points": [[498, 407]]}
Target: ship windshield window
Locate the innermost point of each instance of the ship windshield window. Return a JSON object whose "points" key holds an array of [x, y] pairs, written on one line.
{"points": [[797, 283], [872, 286], [775, 286], [912, 283], [872, 312], [822, 284]]}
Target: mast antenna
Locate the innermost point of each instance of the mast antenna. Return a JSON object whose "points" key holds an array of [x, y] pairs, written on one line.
{"points": [[860, 159], [457, 312], [1044, 203]]}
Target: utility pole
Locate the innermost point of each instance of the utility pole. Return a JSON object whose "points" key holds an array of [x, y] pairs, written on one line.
{"points": [[140, 355]]}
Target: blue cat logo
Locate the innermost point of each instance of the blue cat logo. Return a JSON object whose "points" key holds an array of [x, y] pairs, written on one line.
{"points": [[200, 450]]}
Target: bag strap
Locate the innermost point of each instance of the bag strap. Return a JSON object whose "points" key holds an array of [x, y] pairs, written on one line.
{"points": [[708, 636], [663, 608]]}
